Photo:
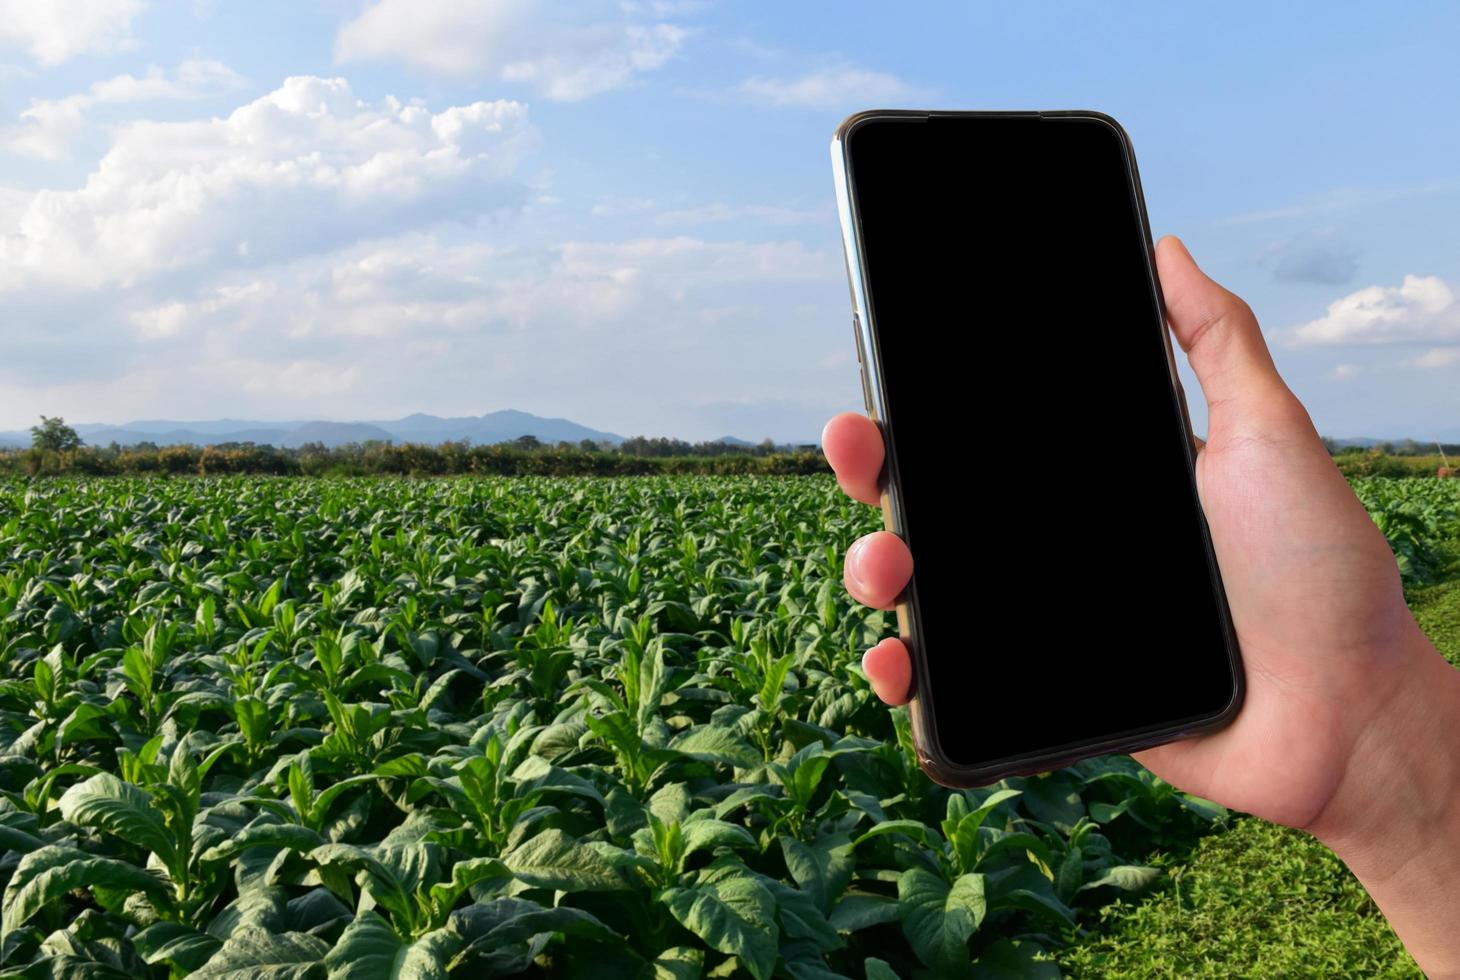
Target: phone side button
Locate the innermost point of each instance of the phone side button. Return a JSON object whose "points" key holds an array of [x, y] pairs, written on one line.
{"points": [[866, 391], [857, 333]]}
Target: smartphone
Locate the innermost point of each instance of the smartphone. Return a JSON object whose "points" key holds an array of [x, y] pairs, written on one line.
{"points": [[1065, 598]]}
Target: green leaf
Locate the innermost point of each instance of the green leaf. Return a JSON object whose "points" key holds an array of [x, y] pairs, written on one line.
{"points": [[252, 715], [56, 965], [15, 839], [964, 833], [775, 682], [707, 834], [734, 916], [1012, 959], [823, 869], [876, 969], [1126, 877], [369, 949], [255, 908], [679, 963], [938, 919], [502, 921], [915, 829], [1206, 809], [286, 835], [715, 743], [804, 773], [45, 875], [553, 859], [800, 918], [182, 946], [464, 874], [1071, 873], [252, 953], [670, 803], [536, 774], [1026, 887], [859, 911], [1105, 812], [391, 874], [804, 960], [1055, 799], [105, 803]]}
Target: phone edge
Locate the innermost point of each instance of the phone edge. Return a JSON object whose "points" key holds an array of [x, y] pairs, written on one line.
{"points": [[931, 758]]}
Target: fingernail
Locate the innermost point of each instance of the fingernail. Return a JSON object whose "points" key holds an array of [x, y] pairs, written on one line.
{"points": [[855, 574]]}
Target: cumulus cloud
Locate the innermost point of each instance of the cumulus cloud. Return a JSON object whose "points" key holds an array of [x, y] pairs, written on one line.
{"points": [[311, 254], [55, 31], [527, 41], [1420, 310], [307, 168], [49, 127], [409, 323], [830, 89], [419, 288], [1318, 257]]}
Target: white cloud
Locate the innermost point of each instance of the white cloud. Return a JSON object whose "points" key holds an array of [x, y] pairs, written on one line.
{"points": [[663, 8], [1420, 310], [512, 40], [54, 31], [597, 60], [1437, 357], [415, 287], [306, 380], [615, 205], [13, 202], [675, 265], [764, 214], [48, 128], [160, 322], [396, 325], [1345, 372], [830, 89], [304, 169]]}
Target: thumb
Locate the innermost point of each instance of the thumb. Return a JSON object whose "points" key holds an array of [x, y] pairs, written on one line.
{"points": [[1218, 332]]}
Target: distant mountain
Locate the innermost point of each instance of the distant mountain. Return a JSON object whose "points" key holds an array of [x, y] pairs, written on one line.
{"points": [[733, 441], [335, 434], [503, 426]]}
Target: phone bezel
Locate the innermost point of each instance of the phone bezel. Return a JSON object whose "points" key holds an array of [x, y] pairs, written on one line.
{"points": [[931, 757]]}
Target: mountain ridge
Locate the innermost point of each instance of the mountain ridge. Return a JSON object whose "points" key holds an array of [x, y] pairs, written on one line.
{"points": [[492, 427]]}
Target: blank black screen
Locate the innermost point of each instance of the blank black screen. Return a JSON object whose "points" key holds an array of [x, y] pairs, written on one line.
{"points": [[1062, 589]]}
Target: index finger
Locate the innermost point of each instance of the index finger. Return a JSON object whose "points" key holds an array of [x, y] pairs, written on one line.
{"points": [[853, 446]]}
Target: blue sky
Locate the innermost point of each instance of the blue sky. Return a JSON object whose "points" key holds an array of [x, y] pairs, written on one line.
{"points": [[621, 213]]}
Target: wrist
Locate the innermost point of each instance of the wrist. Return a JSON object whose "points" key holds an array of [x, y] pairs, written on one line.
{"points": [[1395, 814]]}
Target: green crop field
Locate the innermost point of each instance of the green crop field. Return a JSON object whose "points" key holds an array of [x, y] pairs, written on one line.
{"points": [[287, 729]]}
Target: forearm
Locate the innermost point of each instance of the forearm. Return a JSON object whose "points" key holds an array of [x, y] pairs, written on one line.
{"points": [[1395, 818]]}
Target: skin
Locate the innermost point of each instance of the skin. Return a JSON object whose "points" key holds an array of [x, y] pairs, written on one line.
{"points": [[1351, 725]]}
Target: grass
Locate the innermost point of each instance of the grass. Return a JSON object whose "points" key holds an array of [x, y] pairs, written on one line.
{"points": [[1437, 607], [1261, 900], [1257, 901]]}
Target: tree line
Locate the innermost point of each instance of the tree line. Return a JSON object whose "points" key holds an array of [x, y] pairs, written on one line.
{"points": [[56, 449]]}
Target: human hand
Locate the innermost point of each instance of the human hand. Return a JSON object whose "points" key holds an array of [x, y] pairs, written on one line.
{"points": [[1330, 647]]}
